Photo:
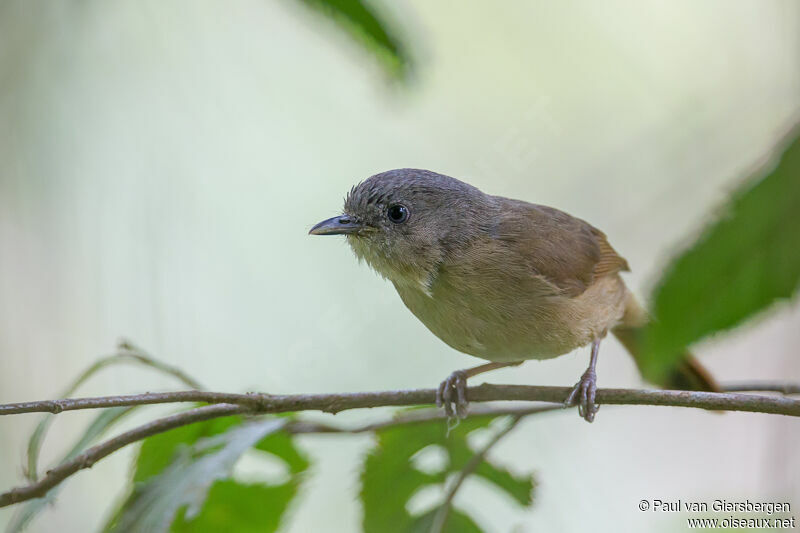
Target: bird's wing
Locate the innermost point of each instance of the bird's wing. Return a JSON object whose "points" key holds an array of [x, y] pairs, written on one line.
{"points": [[567, 251]]}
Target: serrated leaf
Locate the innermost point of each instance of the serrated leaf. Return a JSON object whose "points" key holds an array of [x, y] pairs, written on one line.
{"points": [[101, 423], [367, 27], [517, 487], [740, 265], [186, 481], [389, 479]]}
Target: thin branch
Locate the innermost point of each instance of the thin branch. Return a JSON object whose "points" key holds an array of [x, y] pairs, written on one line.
{"points": [[764, 386], [255, 403], [301, 427], [148, 398], [95, 453], [333, 403], [128, 353], [443, 513]]}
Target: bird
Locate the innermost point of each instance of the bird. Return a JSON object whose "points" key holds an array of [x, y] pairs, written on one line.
{"points": [[500, 279]]}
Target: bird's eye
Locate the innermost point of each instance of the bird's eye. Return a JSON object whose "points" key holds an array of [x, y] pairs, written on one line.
{"points": [[397, 213]]}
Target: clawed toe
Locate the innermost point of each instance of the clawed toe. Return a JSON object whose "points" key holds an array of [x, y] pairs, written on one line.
{"points": [[584, 394], [452, 395]]}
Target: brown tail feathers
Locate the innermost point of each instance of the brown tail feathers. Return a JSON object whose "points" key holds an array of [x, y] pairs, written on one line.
{"points": [[689, 375]]}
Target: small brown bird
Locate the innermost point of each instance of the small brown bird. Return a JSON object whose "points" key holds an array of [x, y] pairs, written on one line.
{"points": [[500, 279]]}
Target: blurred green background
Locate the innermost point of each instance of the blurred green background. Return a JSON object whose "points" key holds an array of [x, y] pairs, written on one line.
{"points": [[161, 163]]}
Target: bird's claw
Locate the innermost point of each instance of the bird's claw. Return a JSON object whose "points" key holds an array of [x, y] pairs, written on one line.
{"points": [[587, 388], [452, 395]]}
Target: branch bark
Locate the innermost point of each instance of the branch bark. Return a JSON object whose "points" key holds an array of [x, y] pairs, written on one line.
{"points": [[225, 404], [262, 403], [92, 455], [95, 453]]}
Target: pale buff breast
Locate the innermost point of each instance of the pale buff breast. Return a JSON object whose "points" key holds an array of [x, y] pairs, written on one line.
{"points": [[500, 322]]}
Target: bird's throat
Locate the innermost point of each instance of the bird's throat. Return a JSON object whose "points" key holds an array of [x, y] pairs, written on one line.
{"points": [[413, 275]]}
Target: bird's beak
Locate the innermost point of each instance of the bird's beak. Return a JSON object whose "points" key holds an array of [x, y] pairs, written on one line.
{"points": [[341, 225]]}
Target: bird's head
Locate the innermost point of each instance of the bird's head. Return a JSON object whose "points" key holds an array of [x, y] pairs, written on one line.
{"points": [[404, 222]]}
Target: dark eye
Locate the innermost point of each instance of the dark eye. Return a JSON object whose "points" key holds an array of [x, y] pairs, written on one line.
{"points": [[397, 213]]}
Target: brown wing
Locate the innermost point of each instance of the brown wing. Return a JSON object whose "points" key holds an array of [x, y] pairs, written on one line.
{"points": [[567, 251]]}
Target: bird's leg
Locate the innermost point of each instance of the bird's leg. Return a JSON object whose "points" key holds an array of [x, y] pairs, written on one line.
{"points": [[587, 387], [452, 392]]}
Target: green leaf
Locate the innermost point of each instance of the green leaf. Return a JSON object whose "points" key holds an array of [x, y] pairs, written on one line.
{"points": [[182, 478], [186, 480], [363, 24], [740, 265], [257, 508], [158, 451], [281, 445], [519, 488], [102, 422], [243, 508], [389, 478], [457, 522]]}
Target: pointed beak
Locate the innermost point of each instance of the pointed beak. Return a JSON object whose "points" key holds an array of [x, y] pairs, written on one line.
{"points": [[341, 225]]}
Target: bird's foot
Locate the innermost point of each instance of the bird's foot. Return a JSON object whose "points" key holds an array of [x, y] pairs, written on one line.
{"points": [[452, 395], [587, 389]]}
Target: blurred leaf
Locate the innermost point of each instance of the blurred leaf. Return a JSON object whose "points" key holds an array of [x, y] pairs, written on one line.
{"points": [[233, 506], [102, 422], [186, 480], [745, 261], [158, 451], [181, 482], [361, 21], [128, 354], [389, 478], [519, 488], [281, 444], [243, 508]]}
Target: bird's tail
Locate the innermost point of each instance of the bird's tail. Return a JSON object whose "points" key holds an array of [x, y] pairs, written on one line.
{"points": [[689, 375]]}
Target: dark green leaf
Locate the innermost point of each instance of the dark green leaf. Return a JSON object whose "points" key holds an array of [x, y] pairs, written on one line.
{"points": [[186, 480], [389, 478], [361, 21], [745, 261]]}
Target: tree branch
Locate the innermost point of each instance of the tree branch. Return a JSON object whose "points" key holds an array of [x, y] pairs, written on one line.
{"points": [[258, 403], [417, 416], [199, 414], [261, 403], [95, 453], [763, 386]]}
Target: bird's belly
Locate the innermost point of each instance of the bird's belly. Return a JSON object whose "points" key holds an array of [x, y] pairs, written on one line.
{"points": [[509, 326]]}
